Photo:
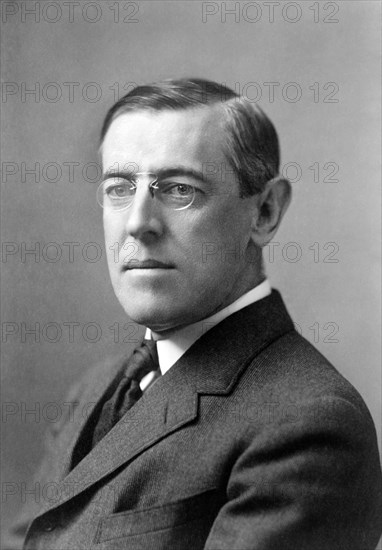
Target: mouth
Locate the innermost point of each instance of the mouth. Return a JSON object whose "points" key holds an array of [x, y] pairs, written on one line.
{"points": [[146, 264]]}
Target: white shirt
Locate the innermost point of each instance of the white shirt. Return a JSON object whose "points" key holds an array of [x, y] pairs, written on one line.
{"points": [[171, 349]]}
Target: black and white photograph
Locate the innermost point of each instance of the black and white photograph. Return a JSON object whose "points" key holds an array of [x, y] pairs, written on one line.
{"points": [[191, 275]]}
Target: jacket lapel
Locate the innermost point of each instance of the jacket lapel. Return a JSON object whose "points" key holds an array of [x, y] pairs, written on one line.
{"points": [[168, 405], [211, 366], [89, 396]]}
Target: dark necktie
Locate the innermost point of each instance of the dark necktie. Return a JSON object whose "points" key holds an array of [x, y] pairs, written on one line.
{"points": [[143, 361]]}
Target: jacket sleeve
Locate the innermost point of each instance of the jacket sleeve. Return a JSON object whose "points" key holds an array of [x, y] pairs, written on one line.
{"points": [[310, 480], [46, 475]]}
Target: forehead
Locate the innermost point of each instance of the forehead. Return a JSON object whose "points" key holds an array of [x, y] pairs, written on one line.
{"points": [[154, 140]]}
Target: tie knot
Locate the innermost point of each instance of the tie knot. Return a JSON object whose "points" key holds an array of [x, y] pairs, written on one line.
{"points": [[144, 360]]}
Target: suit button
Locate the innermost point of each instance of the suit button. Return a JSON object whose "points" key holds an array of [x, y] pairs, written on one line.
{"points": [[49, 526]]}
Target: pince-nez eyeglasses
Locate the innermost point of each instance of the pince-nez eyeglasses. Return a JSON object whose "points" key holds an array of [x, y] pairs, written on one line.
{"points": [[117, 193]]}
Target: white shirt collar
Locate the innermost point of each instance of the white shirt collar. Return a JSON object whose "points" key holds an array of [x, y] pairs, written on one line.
{"points": [[171, 349]]}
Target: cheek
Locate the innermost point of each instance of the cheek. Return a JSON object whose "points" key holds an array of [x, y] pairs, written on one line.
{"points": [[113, 232], [112, 226], [214, 256], [229, 230]]}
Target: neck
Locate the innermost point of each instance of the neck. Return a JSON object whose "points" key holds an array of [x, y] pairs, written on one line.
{"points": [[169, 332]]}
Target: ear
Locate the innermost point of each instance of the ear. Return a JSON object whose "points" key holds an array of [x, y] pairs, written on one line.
{"points": [[272, 204]]}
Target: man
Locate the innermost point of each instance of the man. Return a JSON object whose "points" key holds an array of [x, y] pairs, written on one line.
{"points": [[243, 436]]}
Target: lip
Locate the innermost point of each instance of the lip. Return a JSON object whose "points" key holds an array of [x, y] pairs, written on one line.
{"points": [[146, 264]]}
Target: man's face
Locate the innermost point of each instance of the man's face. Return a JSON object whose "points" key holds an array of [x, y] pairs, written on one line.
{"points": [[208, 256]]}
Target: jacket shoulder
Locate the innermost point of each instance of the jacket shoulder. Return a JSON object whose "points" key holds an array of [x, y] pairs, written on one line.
{"points": [[297, 371]]}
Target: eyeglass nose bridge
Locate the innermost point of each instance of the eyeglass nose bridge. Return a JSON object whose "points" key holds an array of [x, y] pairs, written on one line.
{"points": [[154, 184]]}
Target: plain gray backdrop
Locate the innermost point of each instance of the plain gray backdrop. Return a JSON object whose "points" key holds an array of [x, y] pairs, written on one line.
{"points": [[322, 62]]}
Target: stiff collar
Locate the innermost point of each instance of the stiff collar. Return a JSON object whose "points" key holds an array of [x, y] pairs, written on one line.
{"points": [[170, 350]]}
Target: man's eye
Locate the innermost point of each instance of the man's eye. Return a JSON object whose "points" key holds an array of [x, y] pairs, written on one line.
{"points": [[179, 189], [119, 190]]}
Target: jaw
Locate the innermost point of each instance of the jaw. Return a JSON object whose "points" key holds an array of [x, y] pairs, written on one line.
{"points": [[171, 300]]}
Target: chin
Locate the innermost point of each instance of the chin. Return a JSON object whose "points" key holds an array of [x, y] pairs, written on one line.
{"points": [[152, 315]]}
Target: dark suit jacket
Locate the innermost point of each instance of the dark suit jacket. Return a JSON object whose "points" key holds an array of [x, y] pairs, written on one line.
{"points": [[251, 441]]}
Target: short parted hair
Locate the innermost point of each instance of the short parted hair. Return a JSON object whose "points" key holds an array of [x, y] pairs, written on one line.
{"points": [[252, 146]]}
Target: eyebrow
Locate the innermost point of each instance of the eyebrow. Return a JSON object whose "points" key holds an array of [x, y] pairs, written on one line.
{"points": [[161, 173]]}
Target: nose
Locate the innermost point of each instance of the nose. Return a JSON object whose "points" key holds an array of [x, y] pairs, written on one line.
{"points": [[143, 218]]}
